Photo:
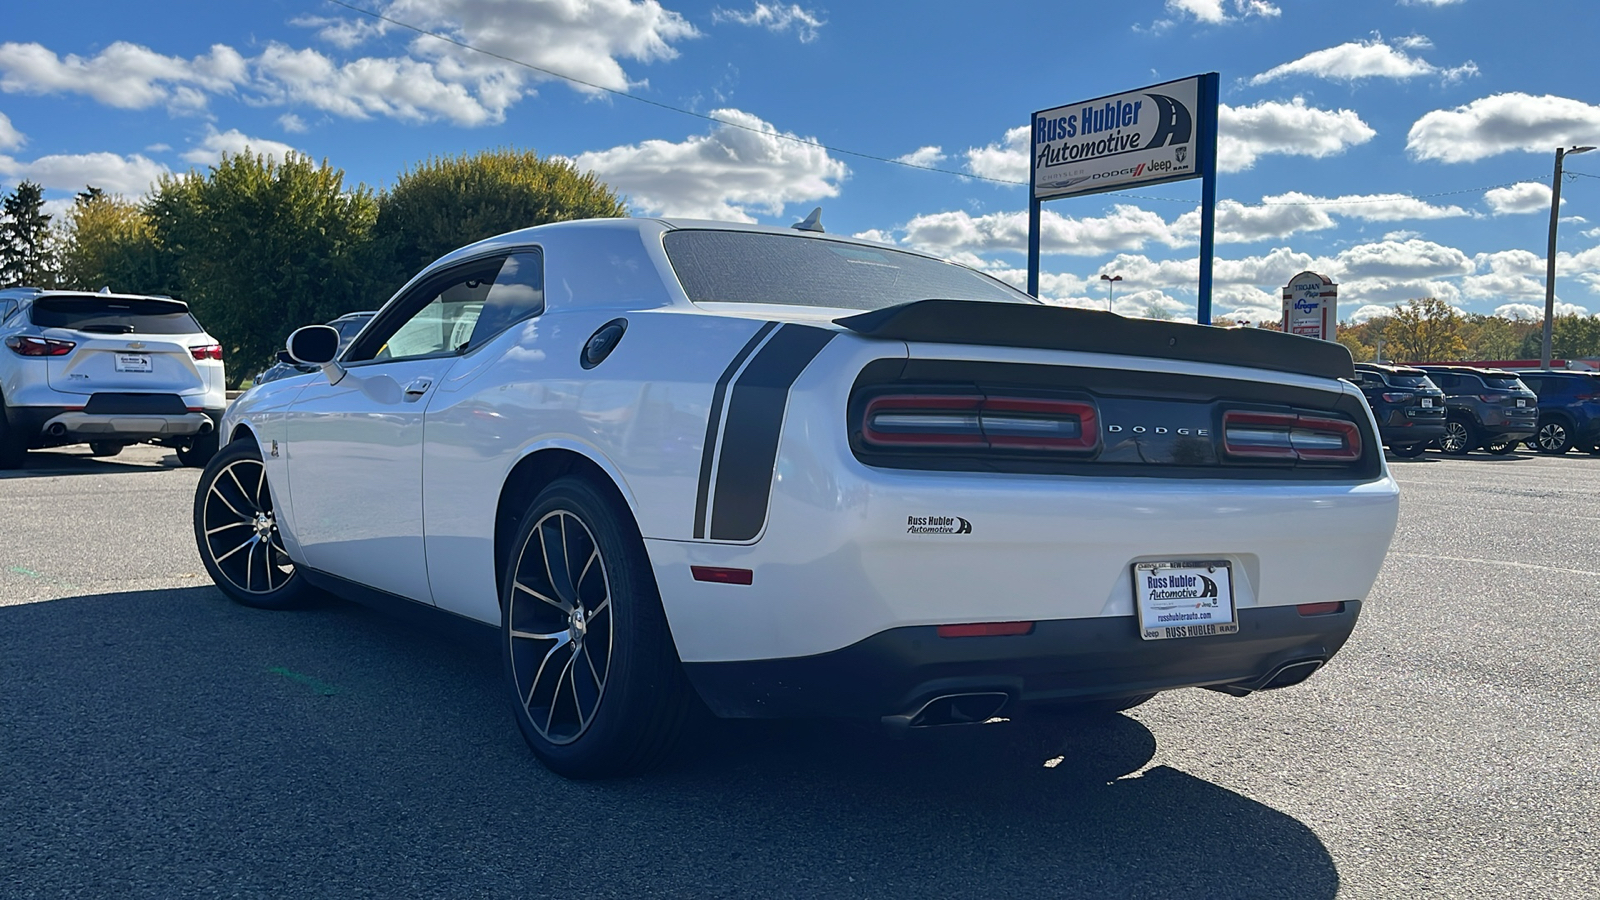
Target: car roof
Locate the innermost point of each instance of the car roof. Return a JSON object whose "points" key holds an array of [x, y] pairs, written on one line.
{"points": [[1470, 370], [1390, 369]]}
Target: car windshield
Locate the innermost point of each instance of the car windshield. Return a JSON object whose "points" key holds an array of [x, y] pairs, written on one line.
{"points": [[114, 315], [753, 267], [1504, 382], [1410, 381]]}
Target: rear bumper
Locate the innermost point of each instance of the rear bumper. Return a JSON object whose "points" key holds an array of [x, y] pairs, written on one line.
{"points": [[49, 426], [1411, 433], [898, 671]]}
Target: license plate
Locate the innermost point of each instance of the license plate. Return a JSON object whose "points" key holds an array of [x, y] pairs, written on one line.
{"points": [[1184, 599], [1427, 402], [133, 362], [1521, 404]]}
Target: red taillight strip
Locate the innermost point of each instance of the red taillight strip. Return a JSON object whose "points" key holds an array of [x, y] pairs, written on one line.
{"points": [[1251, 434], [722, 575], [976, 421], [24, 345], [985, 629], [206, 351]]}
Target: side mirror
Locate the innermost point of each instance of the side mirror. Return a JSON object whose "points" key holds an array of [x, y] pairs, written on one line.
{"points": [[316, 346]]}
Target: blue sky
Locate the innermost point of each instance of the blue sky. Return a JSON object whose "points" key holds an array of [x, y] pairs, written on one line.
{"points": [[1402, 147]]}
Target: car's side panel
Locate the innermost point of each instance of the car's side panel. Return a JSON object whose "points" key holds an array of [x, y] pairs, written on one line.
{"points": [[262, 413], [642, 414]]}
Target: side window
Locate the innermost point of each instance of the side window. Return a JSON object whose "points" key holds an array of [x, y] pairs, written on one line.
{"points": [[517, 294], [1445, 381], [436, 318], [1541, 387]]}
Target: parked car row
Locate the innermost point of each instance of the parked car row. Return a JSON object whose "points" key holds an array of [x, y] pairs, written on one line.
{"points": [[1458, 409]]}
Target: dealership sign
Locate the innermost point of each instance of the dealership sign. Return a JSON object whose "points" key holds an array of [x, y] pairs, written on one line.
{"points": [[1311, 306], [1141, 137]]}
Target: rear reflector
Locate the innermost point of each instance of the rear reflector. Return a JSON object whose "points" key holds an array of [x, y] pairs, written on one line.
{"points": [[1320, 609], [720, 575], [985, 629], [977, 422], [1289, 436]]}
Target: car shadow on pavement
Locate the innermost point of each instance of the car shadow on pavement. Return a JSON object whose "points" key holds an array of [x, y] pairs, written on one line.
{"points": [[172, 743], [49, 463]]}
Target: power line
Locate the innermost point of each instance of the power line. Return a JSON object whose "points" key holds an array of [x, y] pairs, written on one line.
{"points": [[840, 150]]}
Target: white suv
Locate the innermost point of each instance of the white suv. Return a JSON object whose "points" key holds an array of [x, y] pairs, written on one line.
{"points": [[107, 370]]}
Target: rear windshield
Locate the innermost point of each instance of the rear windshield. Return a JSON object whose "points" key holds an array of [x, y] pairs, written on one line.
{"points": [[1504, 382], [751, 267], [1410, 381], [106, 315]]}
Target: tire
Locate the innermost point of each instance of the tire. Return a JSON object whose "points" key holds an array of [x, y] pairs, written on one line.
{"points": [[1091, 708], [199, 451], [1409, 451], [617, 699], [105, 448], [1501, 448], [237, 534], [1459, 438], [1553, 437], [13, 452]]}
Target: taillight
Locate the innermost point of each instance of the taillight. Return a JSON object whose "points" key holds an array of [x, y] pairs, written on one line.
{"points": [[978, 421], [1289, 436], [207, 351], [38, 346], [1494, 398], [1396, 398]]}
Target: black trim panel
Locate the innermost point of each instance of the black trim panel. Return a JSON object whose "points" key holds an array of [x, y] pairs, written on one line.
{"points": [[1065, 659], [1093, 331], [755, 419], [425, 615], [709, 449], [116, 403]]}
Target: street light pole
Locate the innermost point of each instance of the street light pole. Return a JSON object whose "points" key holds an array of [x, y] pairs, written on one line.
{"points": [[1550, 258], [1111, 281]]}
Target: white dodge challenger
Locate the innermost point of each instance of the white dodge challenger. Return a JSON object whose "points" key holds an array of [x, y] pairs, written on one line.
{"points": [[785, 473]]}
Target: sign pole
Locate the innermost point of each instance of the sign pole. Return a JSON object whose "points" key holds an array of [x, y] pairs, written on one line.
{"points": [[1208, 192], [1033, 248]]}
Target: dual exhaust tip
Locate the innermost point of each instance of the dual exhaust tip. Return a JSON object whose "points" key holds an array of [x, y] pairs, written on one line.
{"points": [[58, 430]]}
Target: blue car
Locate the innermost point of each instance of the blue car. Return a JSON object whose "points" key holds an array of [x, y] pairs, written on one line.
{"points": [[1569, 410]]}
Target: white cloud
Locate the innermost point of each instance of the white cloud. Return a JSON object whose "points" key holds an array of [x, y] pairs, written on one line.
{"points": [[1401, 260], [1370, 311], [1356, 60], [1214, 12], [123, 75], [1125, 228], [1503, 123], [923, 156], [721, 175], [234, 141], [108, 171], [875, 234], [1430, 2], [1404, 234], [1593, 232], [1284, 214], [401, 88], [292, 123], [776, 18], [10, 137], [1295, 129], [1535, 313], [1006, 160], [1523, 197], [1507, 273]]}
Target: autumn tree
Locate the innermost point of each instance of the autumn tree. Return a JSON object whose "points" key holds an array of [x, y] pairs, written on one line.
{"points": [[108, 242], [1425, 329], [448, 202]]}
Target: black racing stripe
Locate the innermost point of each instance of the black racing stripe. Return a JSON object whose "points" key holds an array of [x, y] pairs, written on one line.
{"points": [[710, 448], [750, 442]]}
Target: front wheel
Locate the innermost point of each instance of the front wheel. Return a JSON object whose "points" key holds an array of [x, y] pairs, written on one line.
{"points": [[589, 661], [1458, 439], [237, 532], [1408, 451], [1553, 437]]}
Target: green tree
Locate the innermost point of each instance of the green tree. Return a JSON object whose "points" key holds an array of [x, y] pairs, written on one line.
{"points": [[1426, 329], [108, 242], [28, 247], [1571, 337], [448, 202], [1359, 349], [260, 247], [1493, 337]]}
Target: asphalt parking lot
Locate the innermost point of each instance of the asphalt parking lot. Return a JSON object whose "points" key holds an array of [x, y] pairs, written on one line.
{"points": [[157, 740]]}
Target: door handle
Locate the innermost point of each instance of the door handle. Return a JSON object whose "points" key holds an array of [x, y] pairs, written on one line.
{"points": [[416, 389]]}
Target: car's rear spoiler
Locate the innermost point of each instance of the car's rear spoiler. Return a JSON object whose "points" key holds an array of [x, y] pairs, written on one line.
{"points": [[1092, 331]]}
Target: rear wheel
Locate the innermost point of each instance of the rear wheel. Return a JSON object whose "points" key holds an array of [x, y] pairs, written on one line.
{"points": [[13, 453], [1553, 437], [105, 448], [589, 662], [199, 450], [1408, 451], [1459, 438], [237, 532]]}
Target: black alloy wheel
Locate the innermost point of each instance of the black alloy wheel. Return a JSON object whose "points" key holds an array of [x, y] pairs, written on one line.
{"points": [[589, 662], [237, 532], [1553, 437], [1408, 451], [1459, 438], [1501, 448]]}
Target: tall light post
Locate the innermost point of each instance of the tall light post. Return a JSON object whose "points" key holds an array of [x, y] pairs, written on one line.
{"points": [[1111, 287], [1550, 259]]}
